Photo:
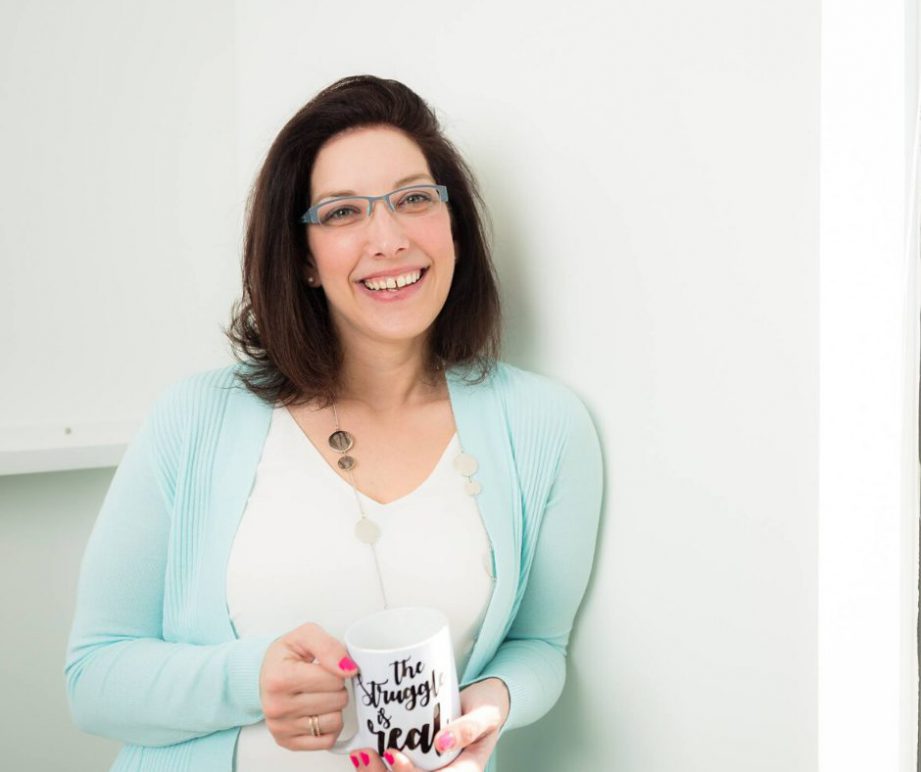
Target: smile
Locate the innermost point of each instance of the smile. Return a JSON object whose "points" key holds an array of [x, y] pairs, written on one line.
{"points": [[393, 282], [394, 287]]}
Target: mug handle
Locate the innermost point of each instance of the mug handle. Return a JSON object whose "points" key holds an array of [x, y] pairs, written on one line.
{"points": [[349, 744]]}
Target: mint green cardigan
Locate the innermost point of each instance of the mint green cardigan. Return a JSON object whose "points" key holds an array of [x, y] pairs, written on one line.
{"points": [[153, 660]]}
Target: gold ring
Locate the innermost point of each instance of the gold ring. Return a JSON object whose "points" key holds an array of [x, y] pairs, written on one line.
{"points": [[314, 725]]}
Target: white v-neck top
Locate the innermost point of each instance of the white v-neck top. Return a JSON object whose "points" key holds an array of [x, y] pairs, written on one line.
{"points": [[295, 559]]}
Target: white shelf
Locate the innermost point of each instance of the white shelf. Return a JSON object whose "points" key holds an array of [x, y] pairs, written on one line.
{"points": [[57, 448]]}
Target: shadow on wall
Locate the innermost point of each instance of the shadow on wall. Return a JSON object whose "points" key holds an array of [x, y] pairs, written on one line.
{"points": [[505, 227]]}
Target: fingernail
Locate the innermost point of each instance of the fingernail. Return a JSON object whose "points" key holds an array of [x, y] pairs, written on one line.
{"points": [[446, 741], [346, 664], [354, 761], [365, 759], [389, 756]]}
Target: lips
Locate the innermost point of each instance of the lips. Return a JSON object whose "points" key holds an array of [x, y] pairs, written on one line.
{"points": [[394, 282], [389, 296], [394, 272]]}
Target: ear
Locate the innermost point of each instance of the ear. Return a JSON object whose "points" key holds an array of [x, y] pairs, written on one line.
{"points": [[311, 277]]}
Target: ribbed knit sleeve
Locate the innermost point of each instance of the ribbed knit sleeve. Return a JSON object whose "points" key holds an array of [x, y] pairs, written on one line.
{"points": [[123, 680], [531, 658]]}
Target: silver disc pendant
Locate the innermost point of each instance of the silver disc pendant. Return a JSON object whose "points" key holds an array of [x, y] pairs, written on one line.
{"points": [[466, 464], [367, 531], [340, 441]]}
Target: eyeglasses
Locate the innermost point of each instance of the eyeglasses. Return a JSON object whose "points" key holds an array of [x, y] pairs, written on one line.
{"points": [[348, 210]]}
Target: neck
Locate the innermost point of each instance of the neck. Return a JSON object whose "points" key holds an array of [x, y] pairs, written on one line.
{"points": [[388, 379]]}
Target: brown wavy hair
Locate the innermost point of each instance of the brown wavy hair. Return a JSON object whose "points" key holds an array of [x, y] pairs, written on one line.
{"points": [[281, 329]]}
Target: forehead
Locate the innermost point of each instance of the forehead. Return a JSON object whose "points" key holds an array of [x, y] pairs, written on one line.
{"points": [[365, 160]]}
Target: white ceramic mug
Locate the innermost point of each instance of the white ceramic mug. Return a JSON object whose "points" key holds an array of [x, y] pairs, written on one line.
{"points": [[406, 689]]}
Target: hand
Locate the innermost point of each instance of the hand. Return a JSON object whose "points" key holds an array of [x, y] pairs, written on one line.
{"points": [[484, 709], [303, 674]]}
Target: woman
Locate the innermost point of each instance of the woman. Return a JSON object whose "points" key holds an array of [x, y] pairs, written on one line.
{"points": [[244, 530]]}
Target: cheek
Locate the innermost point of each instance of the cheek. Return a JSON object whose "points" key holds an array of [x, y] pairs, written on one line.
{"points": [[327, 252], [437, 240]]}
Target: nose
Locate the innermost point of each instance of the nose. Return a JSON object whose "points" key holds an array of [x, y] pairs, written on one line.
{"points": [[386, 235]]}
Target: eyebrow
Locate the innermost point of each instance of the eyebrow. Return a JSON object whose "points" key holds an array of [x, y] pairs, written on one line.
{"points": [[396, 186]]}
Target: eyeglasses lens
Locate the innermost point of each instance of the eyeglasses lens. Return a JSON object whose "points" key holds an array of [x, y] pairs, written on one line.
{"points": [[408, 201]]}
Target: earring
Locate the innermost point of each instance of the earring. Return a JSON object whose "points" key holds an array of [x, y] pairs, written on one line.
{"points": [[310, 279]]}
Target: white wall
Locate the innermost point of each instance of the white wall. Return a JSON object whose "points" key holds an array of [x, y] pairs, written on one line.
{"points": [[119, 241], [681, 303], [870, 300]]}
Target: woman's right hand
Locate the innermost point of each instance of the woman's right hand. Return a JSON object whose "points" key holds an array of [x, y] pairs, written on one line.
{"points": [[303, 674]]}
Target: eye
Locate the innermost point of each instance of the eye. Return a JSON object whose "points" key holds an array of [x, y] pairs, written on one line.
{"points": [[416, 200], [339, 214]]}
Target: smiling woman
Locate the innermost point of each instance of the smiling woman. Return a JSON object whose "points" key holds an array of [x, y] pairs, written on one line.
{"points": [[361, 139], [369, 450]]}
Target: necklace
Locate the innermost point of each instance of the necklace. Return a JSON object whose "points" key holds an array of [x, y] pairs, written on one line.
{"points": [[366, 530]]}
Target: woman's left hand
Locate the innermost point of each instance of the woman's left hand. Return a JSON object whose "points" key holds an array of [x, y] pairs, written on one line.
{"points": [[484, 708]]}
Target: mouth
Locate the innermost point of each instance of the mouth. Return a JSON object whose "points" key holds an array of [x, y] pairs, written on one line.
{"points": [[394, 285], [378, 289]]}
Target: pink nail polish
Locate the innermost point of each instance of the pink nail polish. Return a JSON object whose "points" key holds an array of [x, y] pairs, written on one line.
{"points": [[365, 759], [389, 756], [354, 761], [446, 741], [346, 664]]}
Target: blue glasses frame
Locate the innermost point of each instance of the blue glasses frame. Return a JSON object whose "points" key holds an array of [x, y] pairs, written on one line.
{"points": [[310, 216]]}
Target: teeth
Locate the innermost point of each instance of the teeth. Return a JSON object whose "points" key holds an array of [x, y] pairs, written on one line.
{"points": [[392, 282]]}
